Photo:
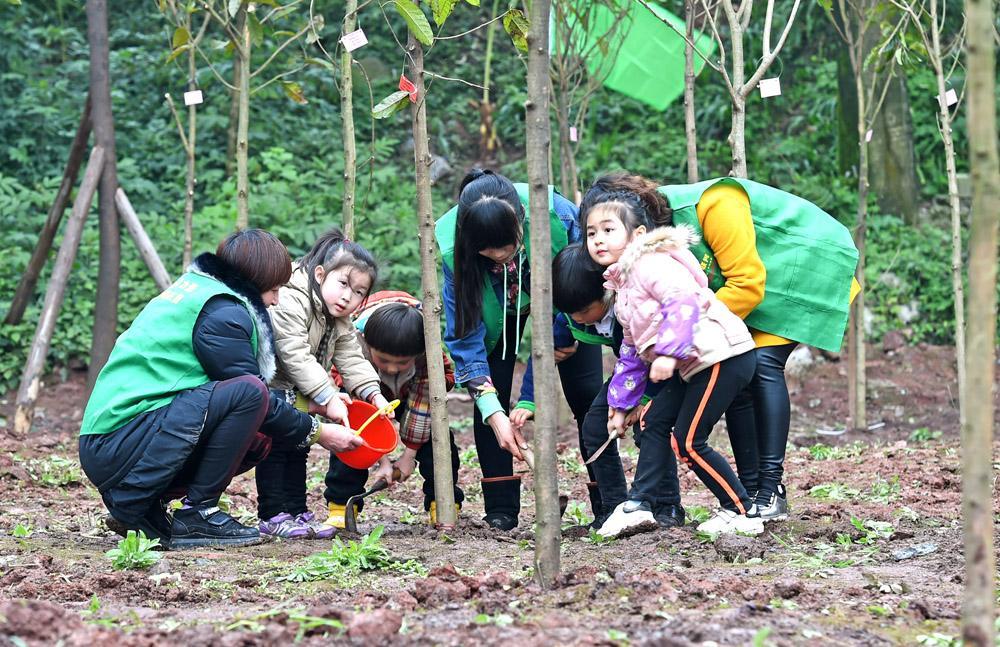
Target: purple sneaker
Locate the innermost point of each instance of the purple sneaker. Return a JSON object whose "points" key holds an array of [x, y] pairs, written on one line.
{"points": [[284, 526], [318, 530]]}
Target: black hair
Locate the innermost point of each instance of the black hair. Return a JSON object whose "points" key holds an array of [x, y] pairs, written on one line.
{"points": [[396, 329], [332, 251], [258, 256], [636, 201], [490, 215], [577, 282]]}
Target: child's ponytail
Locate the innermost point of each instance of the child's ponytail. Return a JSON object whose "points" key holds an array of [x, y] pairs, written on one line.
{"points": [[333, 250]]}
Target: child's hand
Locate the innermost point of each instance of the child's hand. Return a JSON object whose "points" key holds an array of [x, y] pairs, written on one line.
{"points": [[336, 438], [564, 353], [520, 416], [379, 401], [662, 368], [616, 422], [407, 463], [384, 471], [336, 409]]}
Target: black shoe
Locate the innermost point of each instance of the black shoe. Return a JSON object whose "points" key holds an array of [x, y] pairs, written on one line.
{"points": [[669, 516], [155, 525], [500, 521], [201, 526]]}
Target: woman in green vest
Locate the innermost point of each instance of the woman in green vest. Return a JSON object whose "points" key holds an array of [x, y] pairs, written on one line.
{"points": [[786, 268], [182, 404], [485, 249]]}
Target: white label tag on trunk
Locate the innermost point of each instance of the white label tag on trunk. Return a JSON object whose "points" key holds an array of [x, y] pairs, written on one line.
{"points": [[572, 134], [193, 98], [769, 87], [354, 40], [868, 135], [950, 97]]}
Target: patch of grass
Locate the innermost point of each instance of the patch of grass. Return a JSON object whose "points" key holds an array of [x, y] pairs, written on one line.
{"points": [[924, 435], [884, 491], [572, 464], [306, 623], [871, 530], [500, 619], [54, 471], [705, 537], [833, 491], [409, 518], [598, 540], [938, 640], [462, 424], [134, 552], [22, 531], [618, 637], [878, 611], [697, 514], [576, 514], [469, 458], [350, 559], [782, 603], [824, 452], [760, 639]]}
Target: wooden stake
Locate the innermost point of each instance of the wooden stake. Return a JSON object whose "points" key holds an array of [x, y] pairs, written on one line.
{"points": [[35, 365], [26, 287], [538, 134], [444, 487], [347, 118], [142, 241]]}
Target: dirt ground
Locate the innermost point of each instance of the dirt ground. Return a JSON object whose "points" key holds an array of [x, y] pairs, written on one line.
{"points": [[838, 572]]}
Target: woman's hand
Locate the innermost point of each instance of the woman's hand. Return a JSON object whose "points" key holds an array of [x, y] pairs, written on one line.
{"points": [[407, 463], [337, 438], [616, 422], [564, 353], [520, 416], [662, 368], [336, 409], [508, 437], [380, 402], [384, 471]]}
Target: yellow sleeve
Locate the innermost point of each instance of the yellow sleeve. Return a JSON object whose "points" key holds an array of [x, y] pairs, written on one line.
{"points": [[726, 224]]}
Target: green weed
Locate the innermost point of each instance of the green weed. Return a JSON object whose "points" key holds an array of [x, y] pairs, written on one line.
{"points": [[350, 559], [54, 471], [469, 458], [883, 491], [618, 637], [576, 515], [599, 540], [572, 464], [833, 491], [306, 623], [22, 531], [872, 531], [697, 514], [409, 518], [500, 619], [924, 435], [134, 552]]}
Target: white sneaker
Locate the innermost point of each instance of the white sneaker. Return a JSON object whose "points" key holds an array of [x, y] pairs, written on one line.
{"points": [[628, 516], [727, 521]]}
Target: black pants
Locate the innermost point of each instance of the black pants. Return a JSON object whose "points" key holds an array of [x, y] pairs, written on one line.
{"points": [[607, 469], [197, 443], [581, 375], [692, 409], [758, 421], [343, 482], [281, 482]]}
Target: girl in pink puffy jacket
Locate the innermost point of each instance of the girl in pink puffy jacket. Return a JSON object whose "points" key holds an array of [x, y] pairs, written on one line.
{"points": [[675, 330]]}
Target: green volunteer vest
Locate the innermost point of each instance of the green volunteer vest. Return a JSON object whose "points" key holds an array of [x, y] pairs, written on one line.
{"points": [[581, 335], [444, 232], [154, 359], [810, 260]]}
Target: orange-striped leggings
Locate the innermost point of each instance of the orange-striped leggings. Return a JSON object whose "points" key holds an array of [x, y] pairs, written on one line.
{"points": [[690, 410]]}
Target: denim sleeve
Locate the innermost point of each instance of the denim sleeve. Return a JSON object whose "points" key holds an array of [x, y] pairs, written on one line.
{"points": [[468, 352], [527, 398], [568, 215]]}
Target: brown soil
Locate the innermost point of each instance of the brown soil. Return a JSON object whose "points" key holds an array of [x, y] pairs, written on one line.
{"points": [[810, 580]]}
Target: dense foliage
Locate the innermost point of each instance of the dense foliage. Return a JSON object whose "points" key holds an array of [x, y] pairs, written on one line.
{"points": [[296, 165]]}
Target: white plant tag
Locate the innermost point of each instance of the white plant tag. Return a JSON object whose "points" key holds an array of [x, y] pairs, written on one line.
{"points": [[950, 97], [193, 98], [868, 135], [572, 134], [769, 87], [354, 40]]}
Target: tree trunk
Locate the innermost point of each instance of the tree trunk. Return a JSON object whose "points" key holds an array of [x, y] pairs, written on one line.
{"points": [[142, 242], [892, 165], [737, 132], [538, 133], [34, 366], [190, 150], [444, 488], [856, 377], [347, 116], [566, 184], [957, 285], [26, 287], [847, 115], [690, 127], [977, 434], [234, 119], [243, 123], [105, 329], [487, 131]]}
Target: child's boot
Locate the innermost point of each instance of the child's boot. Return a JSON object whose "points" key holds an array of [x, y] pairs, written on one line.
{"points": [[317, 530], [773, 504], [432, 516], [284, 526], [338, 516]]}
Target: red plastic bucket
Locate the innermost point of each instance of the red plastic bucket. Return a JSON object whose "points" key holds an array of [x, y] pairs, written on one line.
{"points": [[380, 436]]}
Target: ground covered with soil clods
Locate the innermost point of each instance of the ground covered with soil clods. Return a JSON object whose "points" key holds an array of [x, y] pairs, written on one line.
{"points": [[871, 555]]}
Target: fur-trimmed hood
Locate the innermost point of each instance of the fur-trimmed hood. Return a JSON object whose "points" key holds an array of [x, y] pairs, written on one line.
{"points": [[675, 241], [211, 265]]}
